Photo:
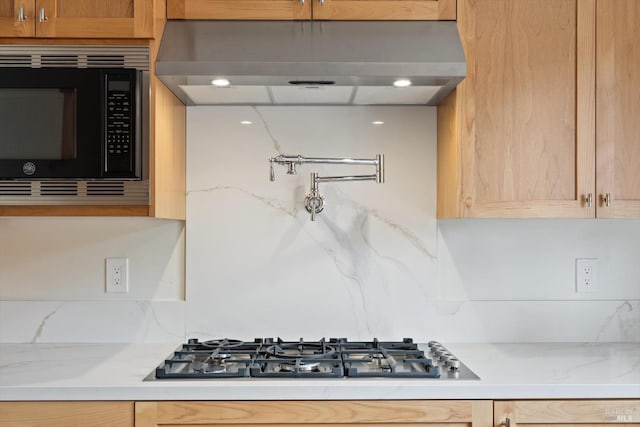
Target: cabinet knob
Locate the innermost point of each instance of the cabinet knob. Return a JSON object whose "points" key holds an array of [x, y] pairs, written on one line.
{"points": [[606, 199], [301, 1], [321, 2], [21, 16], [43, 17], [589, 200], [506, 422]]}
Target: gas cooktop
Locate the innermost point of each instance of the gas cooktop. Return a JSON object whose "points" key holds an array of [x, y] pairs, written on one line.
{"points": [[333, 358]]}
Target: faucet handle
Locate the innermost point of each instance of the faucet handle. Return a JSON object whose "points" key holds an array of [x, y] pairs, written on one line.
{"points": [[314, 204], [272, 174]]}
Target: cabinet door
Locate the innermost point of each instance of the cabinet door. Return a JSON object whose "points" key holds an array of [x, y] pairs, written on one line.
{"points": [[17, 18], [618, 108], [566, 412], [385, 9], [239, 9], [64, 414], [523, 119], [371, 413], [94, 18]]}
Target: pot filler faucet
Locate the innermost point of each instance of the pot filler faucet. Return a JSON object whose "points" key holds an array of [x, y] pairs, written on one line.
{"points": [[314, 202]]}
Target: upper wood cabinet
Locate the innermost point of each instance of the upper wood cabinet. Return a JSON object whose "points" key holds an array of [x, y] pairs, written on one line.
{"points": [[518, 136], [16, 18], [76, 18], [384, 10], [618, 108], [566, 412], [239, 9], [441, 413], [313, 9]]}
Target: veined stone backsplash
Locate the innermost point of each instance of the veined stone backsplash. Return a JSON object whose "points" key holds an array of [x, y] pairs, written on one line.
{"points": [[375, 263]]}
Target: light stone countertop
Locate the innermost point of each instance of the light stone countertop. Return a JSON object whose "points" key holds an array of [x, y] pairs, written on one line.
{"points": [[507, 371]]}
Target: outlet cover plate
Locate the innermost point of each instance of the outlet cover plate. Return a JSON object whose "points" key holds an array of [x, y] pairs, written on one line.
{"points": [[586, 275], [117, 277]]}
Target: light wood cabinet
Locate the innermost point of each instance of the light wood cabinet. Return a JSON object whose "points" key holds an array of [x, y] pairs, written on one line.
{"points": [[618, 108], [313, 9], [566, 412], [16, 18], [520, 136], [384, 10], [516, 138], [441, 413], [239, 9], [76, 18], [66, 414]]}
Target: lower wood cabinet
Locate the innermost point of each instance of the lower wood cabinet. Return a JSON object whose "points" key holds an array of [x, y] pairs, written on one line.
{"points": [[66, 414], [443, 413], [566, 412], [363, 413]]}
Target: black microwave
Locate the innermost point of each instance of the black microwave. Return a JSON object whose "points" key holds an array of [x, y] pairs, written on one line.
{"points": [[70, 123]]}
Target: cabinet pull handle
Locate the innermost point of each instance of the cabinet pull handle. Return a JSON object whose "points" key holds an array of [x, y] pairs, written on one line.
{"points": [[43, 17], [589, 200], [506, 422], [21, 16], [301, 1], [606, 199], [321, 2]]}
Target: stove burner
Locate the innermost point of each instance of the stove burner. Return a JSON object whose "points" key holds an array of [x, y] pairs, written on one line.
{"points": [[213, 367], [302, 367], [381, 362], [222, 343], [302, 350]]}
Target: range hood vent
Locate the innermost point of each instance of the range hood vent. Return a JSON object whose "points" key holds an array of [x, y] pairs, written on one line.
{"points": [[311, 62]]}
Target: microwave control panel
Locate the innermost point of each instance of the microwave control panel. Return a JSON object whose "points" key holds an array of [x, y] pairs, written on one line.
{"points": [[120, 134]]}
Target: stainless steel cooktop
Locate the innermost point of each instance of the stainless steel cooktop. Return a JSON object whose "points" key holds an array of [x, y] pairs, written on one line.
{"points": [[333, 358]]}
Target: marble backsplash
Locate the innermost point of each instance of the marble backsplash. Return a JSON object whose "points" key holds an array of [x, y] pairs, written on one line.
{"points": [[375, 263]]}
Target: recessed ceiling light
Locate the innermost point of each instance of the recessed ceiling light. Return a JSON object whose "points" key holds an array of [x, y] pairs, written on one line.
{"points": [[246, 122], [402, 83], [220, 82], [377, 122]]}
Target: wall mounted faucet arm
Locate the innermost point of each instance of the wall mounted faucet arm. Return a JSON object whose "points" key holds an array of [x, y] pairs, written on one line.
{"points": [[292, 161]]}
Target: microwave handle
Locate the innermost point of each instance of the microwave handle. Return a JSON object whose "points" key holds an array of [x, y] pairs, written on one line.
{"points": [[43, 17]]}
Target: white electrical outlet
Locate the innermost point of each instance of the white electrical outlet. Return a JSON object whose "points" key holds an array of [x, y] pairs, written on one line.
{"points": [[117, 275], [586, 275]]}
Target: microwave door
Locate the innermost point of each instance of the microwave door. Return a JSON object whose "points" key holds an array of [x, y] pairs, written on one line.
{"points": [[50, 122]]}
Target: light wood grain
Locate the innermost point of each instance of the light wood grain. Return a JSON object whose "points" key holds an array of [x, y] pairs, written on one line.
{"points": [[567, 412], [449, 163], [168, 154], [385, 9], [524, 115], [586, 104], [80, 19], [66, 414], [238, 9], [168, 141], [397, 413], [9, 24], [95, 8], [618, 108]]}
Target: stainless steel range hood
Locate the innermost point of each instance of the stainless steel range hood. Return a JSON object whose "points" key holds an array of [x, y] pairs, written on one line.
{"points": [[311, 62]]}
